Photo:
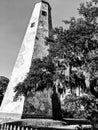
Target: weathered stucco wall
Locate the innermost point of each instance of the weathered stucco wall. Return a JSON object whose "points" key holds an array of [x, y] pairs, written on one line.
{"points": [[40, 49], [39, 103]]}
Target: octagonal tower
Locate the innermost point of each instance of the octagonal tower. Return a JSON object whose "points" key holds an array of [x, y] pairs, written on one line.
{"points": [[33, 46]]}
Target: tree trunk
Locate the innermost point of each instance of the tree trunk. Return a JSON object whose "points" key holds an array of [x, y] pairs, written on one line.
{"points": [[93, 83], [56, 106], [70, 72]]}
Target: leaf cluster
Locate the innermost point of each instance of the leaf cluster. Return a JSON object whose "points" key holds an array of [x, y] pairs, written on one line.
{"points": [[39, 77], [3, 85]]}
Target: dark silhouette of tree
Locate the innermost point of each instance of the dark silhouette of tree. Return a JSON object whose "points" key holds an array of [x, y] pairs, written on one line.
{"points": [[3, 85], [93, 85], [56, 105]]}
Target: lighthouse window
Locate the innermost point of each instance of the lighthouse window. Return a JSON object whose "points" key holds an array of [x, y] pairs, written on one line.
{"points": [[44, 13], [32, 25]]}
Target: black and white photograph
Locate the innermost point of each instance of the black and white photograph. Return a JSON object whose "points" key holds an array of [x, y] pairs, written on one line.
{"points": [[48, 64]]}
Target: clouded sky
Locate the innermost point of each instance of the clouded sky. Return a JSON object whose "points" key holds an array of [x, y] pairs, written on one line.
{"points": [[14, 19]]}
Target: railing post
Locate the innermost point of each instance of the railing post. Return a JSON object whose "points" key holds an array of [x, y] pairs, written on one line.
{"points": [[2, 127], [5, 126], [22, 128], [11, 127], [14, 127], [27, 128]]}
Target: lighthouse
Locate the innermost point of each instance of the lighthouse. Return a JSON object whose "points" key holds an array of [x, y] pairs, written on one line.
{"points": [[33, 46]]}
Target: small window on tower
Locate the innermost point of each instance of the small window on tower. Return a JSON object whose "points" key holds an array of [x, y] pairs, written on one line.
{"points": [[32, 25], [44, 13]]}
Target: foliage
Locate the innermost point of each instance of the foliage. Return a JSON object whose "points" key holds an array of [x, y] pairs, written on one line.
{"points": [[3, 84], [40, 75], [78, 45], [81, 107]]}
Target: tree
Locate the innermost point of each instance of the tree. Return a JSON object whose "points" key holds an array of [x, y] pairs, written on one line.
{"points": [[79, 42], [3, 85]]}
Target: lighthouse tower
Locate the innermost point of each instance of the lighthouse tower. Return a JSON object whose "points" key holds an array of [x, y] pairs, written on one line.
{"points": [[33, 46]]}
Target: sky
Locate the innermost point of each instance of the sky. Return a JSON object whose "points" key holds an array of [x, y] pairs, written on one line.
{"points": [[14, 19]]}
